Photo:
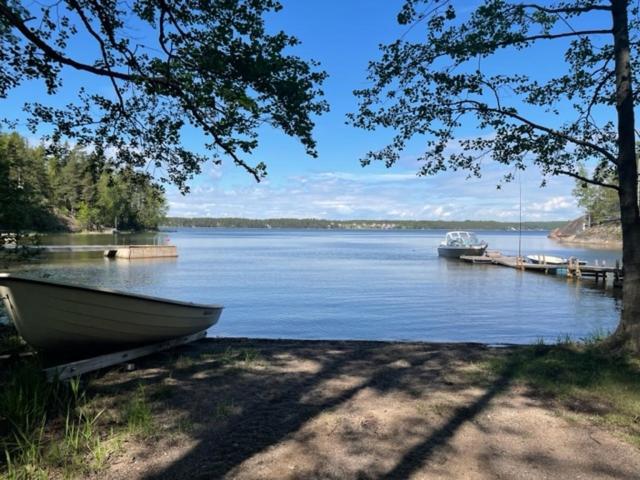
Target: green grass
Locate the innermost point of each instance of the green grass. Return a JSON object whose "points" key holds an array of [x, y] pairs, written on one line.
{"points": [[184, 362], [246, 355], [583, 378], [56, 430], [28, 406], [224, 409], [137, 414], [229, 357]]}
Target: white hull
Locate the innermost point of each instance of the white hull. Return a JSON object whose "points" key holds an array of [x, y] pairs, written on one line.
{"points": [[58, 317], [547, 259]]}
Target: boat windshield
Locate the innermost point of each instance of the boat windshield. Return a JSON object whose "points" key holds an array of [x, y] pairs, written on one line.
{"points": [[461, 239]]}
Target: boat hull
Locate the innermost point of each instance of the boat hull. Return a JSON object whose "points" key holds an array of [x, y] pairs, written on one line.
{"points": [[57, 317], [457, 252], [547, 259]]}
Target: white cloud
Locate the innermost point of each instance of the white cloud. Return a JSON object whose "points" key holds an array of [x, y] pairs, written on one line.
{"points": [[388, 195], [554, 204]]}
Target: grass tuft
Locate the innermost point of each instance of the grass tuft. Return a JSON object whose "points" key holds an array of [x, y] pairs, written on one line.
{"points": [[224, 409], [27, 400], [137, 414], [48, 429], [596, 337], [184, 362], [243, 355]]}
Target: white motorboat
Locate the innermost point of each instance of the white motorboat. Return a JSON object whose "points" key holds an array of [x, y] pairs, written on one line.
{"points": [[62, 318], [457, 244], [547, 259]]}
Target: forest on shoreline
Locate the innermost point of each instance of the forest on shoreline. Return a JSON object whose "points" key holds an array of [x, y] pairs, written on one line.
{"points": [[72, 190], [356, 224]]}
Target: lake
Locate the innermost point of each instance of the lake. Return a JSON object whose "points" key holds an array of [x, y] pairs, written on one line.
{"points": [[376, 285]]}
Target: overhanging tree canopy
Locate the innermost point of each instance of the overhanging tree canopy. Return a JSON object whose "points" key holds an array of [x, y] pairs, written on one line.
{"points": [[170, 65], [558, 120]]}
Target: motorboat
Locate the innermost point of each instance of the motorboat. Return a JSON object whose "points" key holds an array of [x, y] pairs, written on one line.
{"points": [[457, 244], [547, 259], [59, 317]]}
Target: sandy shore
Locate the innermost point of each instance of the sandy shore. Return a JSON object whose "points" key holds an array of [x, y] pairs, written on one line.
{"points": [[262, 409]]}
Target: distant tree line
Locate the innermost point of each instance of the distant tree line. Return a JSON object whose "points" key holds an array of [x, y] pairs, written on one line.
{"points": [[600, 204], [355, 224], [72, 189]]}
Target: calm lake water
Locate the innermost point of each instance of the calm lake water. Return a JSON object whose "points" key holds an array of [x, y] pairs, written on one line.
{"points": [[387, 285]]}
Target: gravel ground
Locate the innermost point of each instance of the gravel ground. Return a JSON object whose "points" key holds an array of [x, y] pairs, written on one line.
{"points": [[266, 409]]}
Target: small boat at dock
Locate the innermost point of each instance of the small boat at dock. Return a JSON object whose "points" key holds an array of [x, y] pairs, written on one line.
{"points": [[547, 259], [62, 318], [457, 244]]}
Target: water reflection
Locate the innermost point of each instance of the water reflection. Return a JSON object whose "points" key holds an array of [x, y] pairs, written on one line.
{"points": [[353, 284]]}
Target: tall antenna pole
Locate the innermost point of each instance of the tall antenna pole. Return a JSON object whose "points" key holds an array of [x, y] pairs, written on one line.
{"points": [[520, 233]]}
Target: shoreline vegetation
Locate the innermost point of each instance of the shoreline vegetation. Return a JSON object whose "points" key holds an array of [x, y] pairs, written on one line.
{"points": [[315, 223], [72, 190], [243, 408]]}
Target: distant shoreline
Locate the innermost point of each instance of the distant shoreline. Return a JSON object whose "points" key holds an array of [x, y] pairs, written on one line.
{"points": [[310, 223]]}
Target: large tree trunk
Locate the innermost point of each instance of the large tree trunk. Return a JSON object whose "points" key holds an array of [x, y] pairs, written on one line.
{"points": [[627, 334]]}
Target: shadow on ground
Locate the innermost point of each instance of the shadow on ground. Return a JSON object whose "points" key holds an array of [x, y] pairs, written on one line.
{"points": [[278, 409]]}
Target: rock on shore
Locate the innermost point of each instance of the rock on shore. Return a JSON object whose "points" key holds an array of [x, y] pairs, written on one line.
{"points": [[576, 231]]}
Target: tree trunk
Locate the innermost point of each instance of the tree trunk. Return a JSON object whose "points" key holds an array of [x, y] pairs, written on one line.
{"points": [[627, 335]]}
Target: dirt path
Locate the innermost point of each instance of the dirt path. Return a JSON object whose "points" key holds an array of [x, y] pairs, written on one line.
{"points": [[251, 409]]}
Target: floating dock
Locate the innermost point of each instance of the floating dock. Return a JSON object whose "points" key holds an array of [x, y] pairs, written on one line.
{"points": [[128, 252], [132, 252], [573, 269]]}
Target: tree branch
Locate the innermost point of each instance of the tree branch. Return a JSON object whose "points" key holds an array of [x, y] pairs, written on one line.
{"points": [[585, 179], [15, 21], [103, 50], [201, 119], [603, 82], [563, 9], [552, 36], [477, 106]]}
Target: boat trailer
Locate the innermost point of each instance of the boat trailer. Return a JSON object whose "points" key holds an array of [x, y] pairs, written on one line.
{"points": [[79, 367]]}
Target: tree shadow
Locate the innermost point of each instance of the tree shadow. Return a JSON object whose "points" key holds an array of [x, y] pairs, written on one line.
{"points": [[270, 406], [316, 405], [421, 453]]}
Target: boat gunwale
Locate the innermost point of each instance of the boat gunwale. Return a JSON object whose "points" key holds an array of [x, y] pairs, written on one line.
{"points": [[108, 291]]}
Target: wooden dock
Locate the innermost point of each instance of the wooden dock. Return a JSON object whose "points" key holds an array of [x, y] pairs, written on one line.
{"points": [[142, 251], [489, 257], [597, 272], [75, 248], [573, 269], [129, 252]]}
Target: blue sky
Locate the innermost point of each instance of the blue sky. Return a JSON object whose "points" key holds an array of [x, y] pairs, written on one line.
{"points": [[343, 36]]}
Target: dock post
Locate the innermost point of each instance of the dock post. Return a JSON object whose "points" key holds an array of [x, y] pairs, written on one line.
{"points": [[570, 268], [617, 275], [573, 269]]}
